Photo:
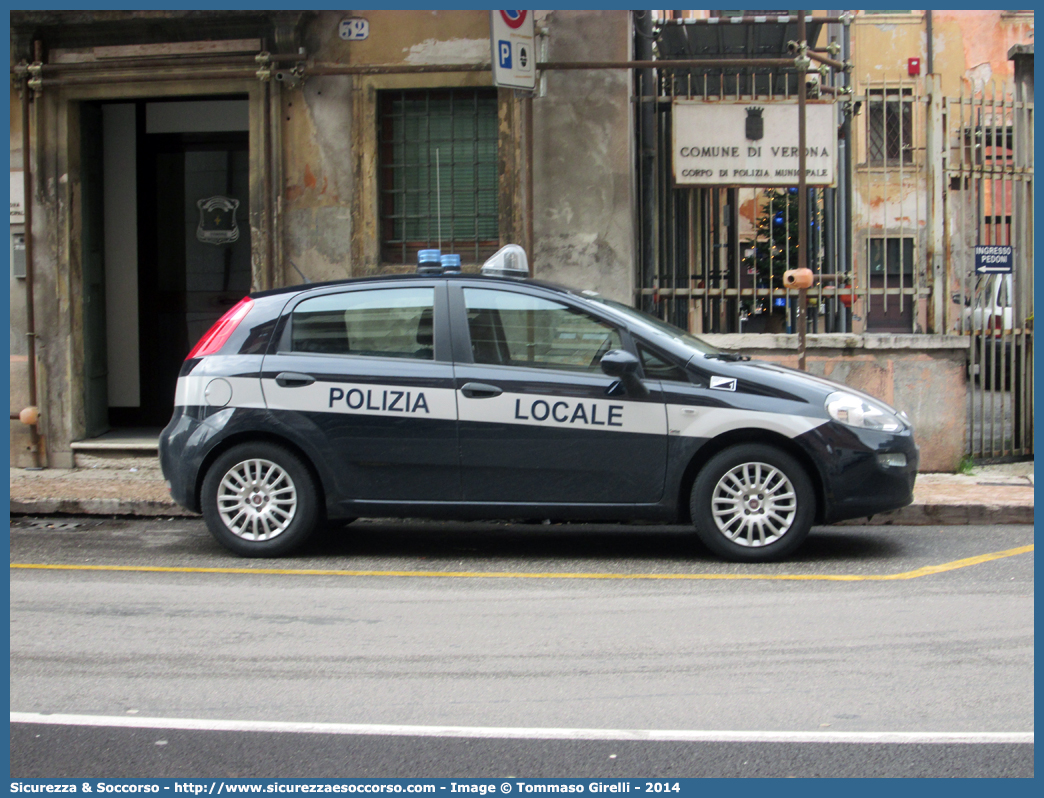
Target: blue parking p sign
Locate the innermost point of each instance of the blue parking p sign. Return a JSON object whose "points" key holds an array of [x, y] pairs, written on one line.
{"points": [[512, 38], [993, 260]]}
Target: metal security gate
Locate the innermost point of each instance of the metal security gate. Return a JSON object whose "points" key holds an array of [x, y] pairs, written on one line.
{"points": [[990, 203], [891, 252], [719, 254]]}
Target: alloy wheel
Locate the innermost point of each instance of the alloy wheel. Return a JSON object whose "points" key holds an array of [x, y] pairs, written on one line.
{"points": [[754, 504], [257, 499]]}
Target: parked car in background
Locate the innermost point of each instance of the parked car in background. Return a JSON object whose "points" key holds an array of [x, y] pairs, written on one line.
{"points": [[991, 308], [995, 359]]}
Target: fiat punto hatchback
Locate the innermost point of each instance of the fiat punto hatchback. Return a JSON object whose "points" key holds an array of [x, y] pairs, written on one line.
{"points": [[493, 396]]}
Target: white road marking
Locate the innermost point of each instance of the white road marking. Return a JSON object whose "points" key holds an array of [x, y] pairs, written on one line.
{"points": [[512, 733]]}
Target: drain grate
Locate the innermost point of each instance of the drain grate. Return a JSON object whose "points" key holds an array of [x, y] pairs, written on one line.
{"points": [[44, 523]]}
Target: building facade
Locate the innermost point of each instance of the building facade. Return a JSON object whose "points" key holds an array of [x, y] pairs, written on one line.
{"points": [[179, 159]]}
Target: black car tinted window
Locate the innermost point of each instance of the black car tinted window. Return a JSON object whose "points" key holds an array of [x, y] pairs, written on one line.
{"points": [[388, 322], [515, 329]]}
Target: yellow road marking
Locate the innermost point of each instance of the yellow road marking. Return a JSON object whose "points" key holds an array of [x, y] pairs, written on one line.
{"points": [[927, 570]]}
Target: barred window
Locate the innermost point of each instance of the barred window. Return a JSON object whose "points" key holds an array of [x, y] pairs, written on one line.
{"points": [[889, 127], [438, 183], [886, 257]]}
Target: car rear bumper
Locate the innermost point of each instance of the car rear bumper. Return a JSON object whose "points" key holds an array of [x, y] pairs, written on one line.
{"points": [[176, 461]]}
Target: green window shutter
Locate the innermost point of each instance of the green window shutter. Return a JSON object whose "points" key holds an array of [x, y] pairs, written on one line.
{"points": [[439, 173]]}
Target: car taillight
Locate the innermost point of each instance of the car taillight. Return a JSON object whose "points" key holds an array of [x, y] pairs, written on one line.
{"points": [[995, 324], [224, 327]]}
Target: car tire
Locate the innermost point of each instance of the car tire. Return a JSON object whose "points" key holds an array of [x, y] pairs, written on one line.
{"points": [[260, 500], [752, 503]]}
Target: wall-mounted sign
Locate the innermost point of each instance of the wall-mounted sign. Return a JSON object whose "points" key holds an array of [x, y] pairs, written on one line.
{"points": [[993, 260], [354, 29], [724, 143], [511, 35], [217, 220], [17, 197]]}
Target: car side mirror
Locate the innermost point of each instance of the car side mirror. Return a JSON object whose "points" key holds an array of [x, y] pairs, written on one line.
{"points": [[623, 366]]}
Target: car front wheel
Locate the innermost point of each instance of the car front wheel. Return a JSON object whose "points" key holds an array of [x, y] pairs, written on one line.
{"points": [[752, 503], [259, 500]]}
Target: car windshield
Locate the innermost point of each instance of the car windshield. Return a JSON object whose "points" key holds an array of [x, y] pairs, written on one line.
{"points": [[657, 326]]}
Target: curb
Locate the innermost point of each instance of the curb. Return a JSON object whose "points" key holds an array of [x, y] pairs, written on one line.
{"points": [[911, 515], [97, 507], [949, 515]]}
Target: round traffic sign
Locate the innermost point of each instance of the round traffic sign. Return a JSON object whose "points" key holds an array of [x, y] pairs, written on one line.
{"points": [[514, 19]]}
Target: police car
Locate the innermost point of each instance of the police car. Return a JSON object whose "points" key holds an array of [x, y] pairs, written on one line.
{"points": [[494, 396]]}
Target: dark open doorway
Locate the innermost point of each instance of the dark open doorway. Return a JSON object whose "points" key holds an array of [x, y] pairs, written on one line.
{"points": [[176, 234]]}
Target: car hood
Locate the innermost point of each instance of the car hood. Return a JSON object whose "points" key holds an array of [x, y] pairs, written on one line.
{"points": [[810, 386]]}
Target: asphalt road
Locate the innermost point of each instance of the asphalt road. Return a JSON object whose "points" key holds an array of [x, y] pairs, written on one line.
{"points": [[869, 630]]}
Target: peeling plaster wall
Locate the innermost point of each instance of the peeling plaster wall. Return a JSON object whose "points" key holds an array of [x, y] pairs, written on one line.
{"points": [[329, 161], [890, 208], [970, 52], [967, 44], [318, 180], [974, 45], [584, 166]]}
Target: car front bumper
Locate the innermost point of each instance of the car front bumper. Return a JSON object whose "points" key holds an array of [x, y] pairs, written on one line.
{"points": [[858, 480]]}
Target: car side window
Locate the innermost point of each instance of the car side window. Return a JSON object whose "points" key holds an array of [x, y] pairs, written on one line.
{"points": [[659, 368], [515, 329], [385, 322], [1003, 300]]}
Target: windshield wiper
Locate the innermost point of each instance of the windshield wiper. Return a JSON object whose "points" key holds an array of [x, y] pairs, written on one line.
{"points": [[730, 357]]}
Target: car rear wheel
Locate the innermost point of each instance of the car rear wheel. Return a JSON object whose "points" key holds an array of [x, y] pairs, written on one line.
{"points": [[259, 500], [752, 503]]}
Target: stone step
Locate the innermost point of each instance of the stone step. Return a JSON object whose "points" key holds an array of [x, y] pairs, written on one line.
{"points": [[119, 449]]}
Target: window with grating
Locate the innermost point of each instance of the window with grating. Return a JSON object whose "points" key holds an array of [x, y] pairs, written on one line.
{"points": [[890, 127], [886, 256], [438, 173]]}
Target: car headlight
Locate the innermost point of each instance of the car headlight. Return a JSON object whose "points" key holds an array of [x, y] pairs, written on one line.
{"points": [[855, 411]]}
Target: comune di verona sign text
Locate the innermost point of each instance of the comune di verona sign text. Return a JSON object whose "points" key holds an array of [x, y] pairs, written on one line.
{"points": [[722, 143]]}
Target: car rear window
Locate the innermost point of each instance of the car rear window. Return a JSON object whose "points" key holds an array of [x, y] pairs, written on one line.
{"points": [[388, 322]]}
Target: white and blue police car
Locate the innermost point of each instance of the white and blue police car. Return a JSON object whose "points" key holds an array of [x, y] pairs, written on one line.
{"points": [[494, 396]]}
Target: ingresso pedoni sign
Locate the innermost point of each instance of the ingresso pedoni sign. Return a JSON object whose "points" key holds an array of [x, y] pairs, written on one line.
{"points": [[745, 143]]}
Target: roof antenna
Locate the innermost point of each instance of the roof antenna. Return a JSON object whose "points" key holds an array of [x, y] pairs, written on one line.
{"points": [[438, 197]]}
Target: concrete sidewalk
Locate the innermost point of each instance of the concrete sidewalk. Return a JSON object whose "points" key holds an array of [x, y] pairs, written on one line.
{"points": [[997, 494]]}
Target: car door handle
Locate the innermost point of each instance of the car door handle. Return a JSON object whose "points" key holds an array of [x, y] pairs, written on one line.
{"points": [[289, 379], [480, 390]]}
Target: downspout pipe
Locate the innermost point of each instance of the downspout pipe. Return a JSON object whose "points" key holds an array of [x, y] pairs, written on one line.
{"points": [[802, 191], [846, 217], [643, 39], [929, 54], [30, 302]]}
